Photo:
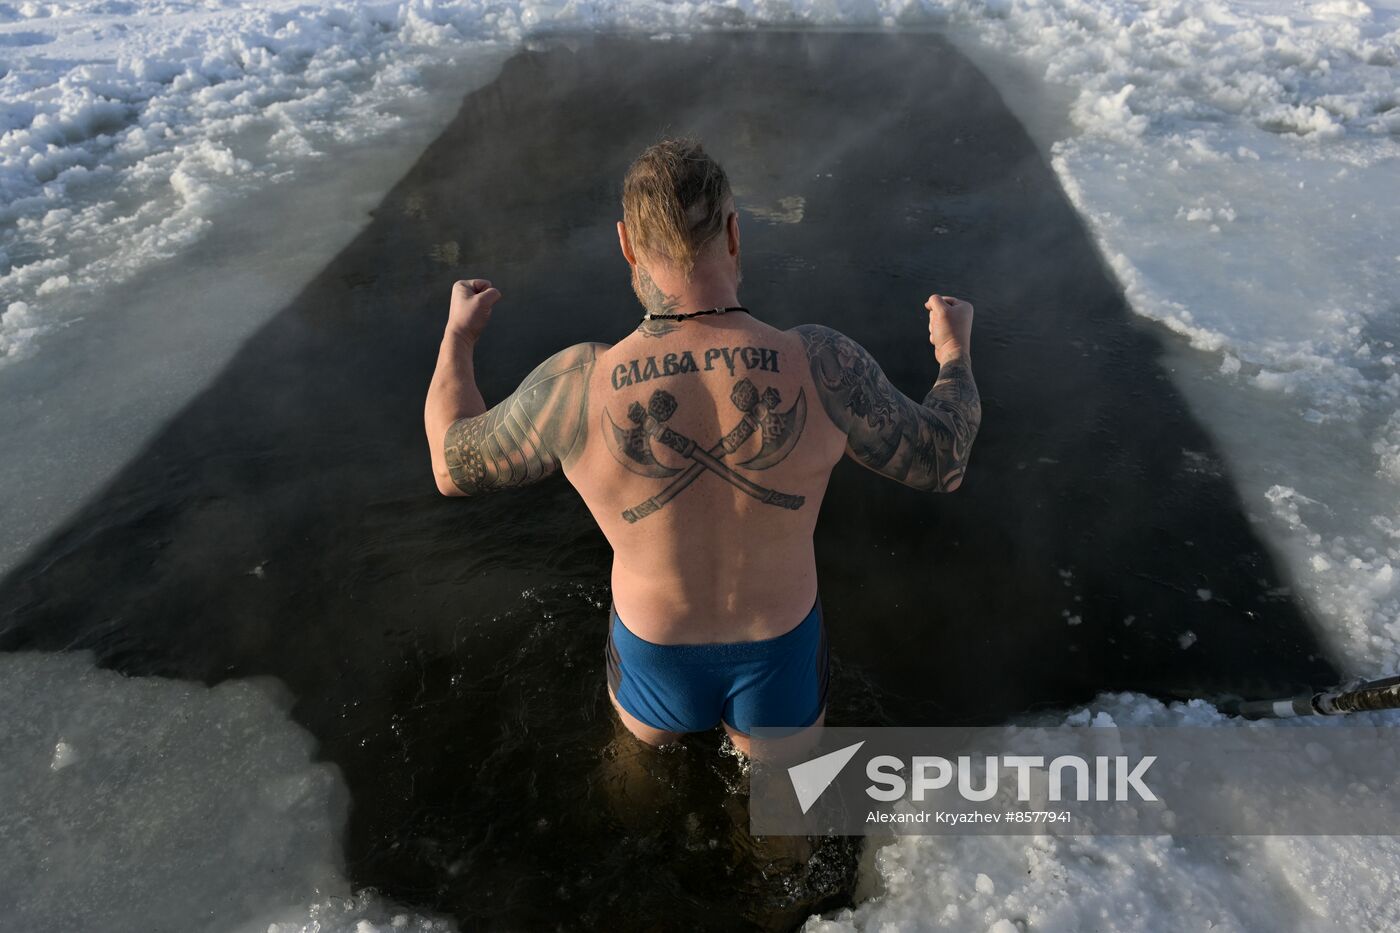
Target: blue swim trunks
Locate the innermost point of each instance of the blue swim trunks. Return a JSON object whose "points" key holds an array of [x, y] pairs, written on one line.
{"points": [[777, 682]]}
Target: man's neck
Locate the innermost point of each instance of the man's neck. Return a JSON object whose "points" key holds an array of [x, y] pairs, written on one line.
{"points": [[663, 291]]}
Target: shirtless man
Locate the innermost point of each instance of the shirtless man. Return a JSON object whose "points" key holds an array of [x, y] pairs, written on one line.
{"points": [[702, 444]]}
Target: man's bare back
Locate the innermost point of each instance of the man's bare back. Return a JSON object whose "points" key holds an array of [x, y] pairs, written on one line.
{"points": [[702, 444], [715, 546]]}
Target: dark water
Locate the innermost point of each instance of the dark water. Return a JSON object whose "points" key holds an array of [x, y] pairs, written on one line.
{"points": [[448, 654]]}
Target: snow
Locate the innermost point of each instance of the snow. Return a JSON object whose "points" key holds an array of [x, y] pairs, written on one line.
{"points": [[126, 126], [1128, 884], [1237, 161]]}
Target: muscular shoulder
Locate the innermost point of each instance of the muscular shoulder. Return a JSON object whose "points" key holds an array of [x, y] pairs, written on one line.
{"points": [[817, 336], [851, 384], [830, 349], [556, 396], [568, 364], [538, 428]]}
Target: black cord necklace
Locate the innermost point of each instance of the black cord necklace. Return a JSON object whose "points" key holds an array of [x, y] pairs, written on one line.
{"points": [[649, 316]]}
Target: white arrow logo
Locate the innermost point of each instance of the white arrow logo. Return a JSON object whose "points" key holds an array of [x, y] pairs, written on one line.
{"points": [[811, 778]]}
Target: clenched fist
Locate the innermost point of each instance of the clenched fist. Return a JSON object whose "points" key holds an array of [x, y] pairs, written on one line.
{"points": [[949, 326], [471, 308]]}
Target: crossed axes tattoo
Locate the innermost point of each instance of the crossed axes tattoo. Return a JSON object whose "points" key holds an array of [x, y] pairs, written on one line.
{"points": [[780, 430]]}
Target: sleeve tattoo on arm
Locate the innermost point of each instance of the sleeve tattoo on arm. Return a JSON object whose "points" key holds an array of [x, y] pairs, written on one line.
{"points": [[921, 445], [529, 435]]}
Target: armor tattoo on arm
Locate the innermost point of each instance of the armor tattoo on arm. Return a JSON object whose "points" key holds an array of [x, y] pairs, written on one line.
{"points": [[921, 445], [531, 434]]}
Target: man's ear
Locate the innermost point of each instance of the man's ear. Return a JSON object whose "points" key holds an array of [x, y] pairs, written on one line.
{"points": [[626, 244], [732, 230]]}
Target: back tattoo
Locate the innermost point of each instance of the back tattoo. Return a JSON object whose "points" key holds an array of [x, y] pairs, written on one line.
{"points": [[759, 412]]}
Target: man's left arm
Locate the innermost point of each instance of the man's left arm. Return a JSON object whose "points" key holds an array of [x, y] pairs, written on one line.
{"points": [[523, 439]]}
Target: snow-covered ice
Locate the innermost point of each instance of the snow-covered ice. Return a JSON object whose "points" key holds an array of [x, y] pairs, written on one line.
{"points": [[141, 803], [138, 803]]}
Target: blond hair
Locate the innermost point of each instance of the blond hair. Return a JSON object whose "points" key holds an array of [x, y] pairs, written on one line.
{"points": [[673, 200]]}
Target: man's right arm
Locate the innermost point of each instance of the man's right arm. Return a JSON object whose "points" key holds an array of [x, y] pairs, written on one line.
{"points": [[925, 446]]}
